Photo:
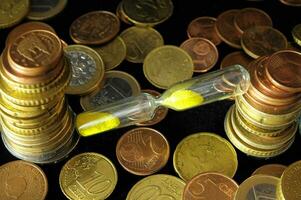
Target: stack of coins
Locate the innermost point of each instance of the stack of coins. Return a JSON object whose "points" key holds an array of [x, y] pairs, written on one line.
{"points": [[37, 124], [263, 122]]}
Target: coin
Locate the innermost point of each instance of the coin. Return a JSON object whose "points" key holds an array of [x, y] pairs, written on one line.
{"points": [[210, 185], [226, 30], [88, 176], [262, 40], [270, 170], [204, 152], [87, 69], [159, 186], [22, 180], [257, 186], [12, 12], [112, 53], [147, 13], [204, 27], [296, 3], [250, 17], [140, 41], [160, 112], [117, 85], [142, 151], [121, 15], [203, 53], [167, 65], [234, 58], [95, 27], [45, 9]]}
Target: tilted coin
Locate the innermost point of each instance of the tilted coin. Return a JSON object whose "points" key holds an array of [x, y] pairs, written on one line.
{"points": [[87, 69], [112, 53], [296, 3], [117, 85], [210, 185], [121, 15], [270, 170], [167, 65], [237, 57], [22, 180], [204, 27], [159, 186], [204, 152], [142, 151], [95, 27], [45, 9], [140, 41], [296, 32], [203, 53], [12, 12], [262, 40], [88, 176]]}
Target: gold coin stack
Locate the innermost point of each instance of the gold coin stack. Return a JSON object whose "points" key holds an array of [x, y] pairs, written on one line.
{"points": [[37, 124], [263, 122]]}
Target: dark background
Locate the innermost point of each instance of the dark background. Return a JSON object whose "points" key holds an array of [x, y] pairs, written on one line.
{"points": [[177, 125]]}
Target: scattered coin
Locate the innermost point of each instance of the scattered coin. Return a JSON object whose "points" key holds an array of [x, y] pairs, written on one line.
{"points": [[295, 3], [270, 170], [45, 9], [234, 58]]}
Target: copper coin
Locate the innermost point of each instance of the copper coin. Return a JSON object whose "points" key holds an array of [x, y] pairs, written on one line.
{"points": [[234, 58], [204, 53], [284, 70], [204, 27], [250, 17], [210, 186], [142, 151], [226, 29], [95, 27], [291, 2], [271, 170], [262, 40], [160, 112]]}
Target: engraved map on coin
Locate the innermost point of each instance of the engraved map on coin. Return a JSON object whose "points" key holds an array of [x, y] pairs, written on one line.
{"points": [[262, 192]]}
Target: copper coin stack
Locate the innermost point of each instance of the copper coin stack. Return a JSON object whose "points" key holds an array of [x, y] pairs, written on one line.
{"points": [[263, 122], [37, 123]]}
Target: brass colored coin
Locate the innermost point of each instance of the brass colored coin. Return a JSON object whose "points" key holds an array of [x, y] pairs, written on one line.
{"points": [[296, 32], [262, 40], [204, 152], [257, 186], [142, 151], [121, 15], [88, 176], [12, 12], [250, 17], [95, 27], [275, 170], [295, 3], [204, 27], [160, 112], [87, 69], [237, 57], [210, 185], [203, 53], [45, 9], [167, 65], [159, 186], [147, 13], [112, 53], [22, 180], [140, 41], [117, 85], [226, 30]]}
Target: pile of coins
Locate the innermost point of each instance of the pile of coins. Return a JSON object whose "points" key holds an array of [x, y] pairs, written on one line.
{"points": [[37, 123], [263, 122]]}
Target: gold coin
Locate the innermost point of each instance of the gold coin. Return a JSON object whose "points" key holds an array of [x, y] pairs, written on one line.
{"points": [[22, 180], [204, 152], [159, 186], [296, 32], [87, 69], [12, 12], [140, 41], [117, 85], [42, 10], [167, 65], [88, 176], [112, 53], [257, 186]]}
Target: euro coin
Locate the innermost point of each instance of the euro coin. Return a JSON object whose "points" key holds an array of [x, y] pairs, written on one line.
{"points": [[42, 9]]}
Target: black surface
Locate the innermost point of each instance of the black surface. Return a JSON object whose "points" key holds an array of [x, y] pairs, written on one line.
{"points": [[177, 125]]}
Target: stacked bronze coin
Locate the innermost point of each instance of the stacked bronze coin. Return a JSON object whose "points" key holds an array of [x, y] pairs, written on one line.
{"points": [[263, 121], [37, 124]]}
